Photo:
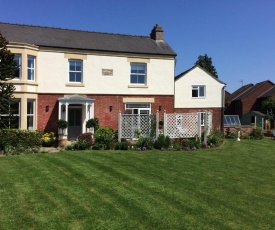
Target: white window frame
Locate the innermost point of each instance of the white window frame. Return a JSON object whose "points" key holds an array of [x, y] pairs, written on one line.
{"points": [[138, 74], [31, 68], [31, 114], [16, 115], [18, 59], [76, 71], [202, 114], [198, 89], [136, 109]]}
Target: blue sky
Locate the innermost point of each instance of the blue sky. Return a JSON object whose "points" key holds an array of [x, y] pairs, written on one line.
{"points": [[239, 35]]}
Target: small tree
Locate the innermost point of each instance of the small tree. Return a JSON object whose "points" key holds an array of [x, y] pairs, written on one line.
{"points": [[206, 63], [268, 105], [7, 72]]}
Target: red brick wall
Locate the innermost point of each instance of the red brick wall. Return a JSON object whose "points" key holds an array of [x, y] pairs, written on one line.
{"points": [[46, 120], [216, 113], [107, 118]]}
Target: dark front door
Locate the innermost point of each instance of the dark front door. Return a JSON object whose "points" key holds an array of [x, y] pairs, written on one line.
{"points": [[75, 122]]}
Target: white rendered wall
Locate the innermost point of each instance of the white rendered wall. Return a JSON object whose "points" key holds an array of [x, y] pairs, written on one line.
{"points": [[53, 74], [183, 90]]}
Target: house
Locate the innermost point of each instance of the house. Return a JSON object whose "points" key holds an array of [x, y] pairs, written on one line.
{"points": [[246, 102], [77, 75], [196, 90]]}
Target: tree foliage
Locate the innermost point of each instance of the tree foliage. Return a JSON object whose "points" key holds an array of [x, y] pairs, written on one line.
{"points": [[268, 105], [206, 63], [7, 71]]}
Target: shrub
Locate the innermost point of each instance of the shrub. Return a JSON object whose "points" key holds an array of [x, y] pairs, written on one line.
{"points": [[185, 143], [81, 144], [48, 139], [162, 142], [145, 142], [256, 134], [124, 145], [215, 138], [195, 143], [105, 136], [177, 146], [19, 141], [88, 137]]}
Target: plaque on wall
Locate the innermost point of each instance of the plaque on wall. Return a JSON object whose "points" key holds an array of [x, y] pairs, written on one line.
{"points": [[107, 72]]}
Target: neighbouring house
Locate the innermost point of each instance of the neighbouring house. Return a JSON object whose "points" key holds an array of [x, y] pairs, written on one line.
{"points": [[77, 75], [246, 102], [196, 90]]}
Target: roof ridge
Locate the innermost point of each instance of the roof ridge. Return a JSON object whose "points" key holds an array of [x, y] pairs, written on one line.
{"points": [[77, 30]]}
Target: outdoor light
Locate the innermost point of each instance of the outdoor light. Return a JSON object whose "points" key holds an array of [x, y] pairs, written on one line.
{"points": [[160, 108], [63, 108], [47, 108], [110, 108]]}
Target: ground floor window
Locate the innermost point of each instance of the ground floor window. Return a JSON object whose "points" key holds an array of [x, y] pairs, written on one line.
{"points": [[7, 121], [30, 114], [202, 114], [137, 108]]}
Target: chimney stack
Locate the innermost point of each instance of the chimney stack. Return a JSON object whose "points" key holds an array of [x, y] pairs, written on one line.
{"points": [[157, 32]]}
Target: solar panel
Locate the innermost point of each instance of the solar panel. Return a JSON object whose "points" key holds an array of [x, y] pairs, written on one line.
{"points": [[231, 120]]}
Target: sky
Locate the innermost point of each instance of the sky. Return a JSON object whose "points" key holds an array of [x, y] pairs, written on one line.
{"points": [[239, 35]]}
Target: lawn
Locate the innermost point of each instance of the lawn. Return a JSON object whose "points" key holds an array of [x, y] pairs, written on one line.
{"points": [[231, 187]]}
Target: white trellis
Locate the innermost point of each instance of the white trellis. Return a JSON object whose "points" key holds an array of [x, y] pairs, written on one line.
{"points": [[130, 124], [186, 125]]}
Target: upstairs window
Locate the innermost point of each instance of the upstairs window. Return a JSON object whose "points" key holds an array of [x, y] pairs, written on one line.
{"points": [[198, 91], [75, 71], [17, 59], [31, 68], [138, 74]]}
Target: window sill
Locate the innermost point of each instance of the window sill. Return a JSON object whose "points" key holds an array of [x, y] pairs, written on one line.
{"points": [[138, 86], [198, 97], [75, 84], [20, 82]]}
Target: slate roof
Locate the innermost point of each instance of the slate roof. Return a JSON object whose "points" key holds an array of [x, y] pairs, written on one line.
{"points": [[84, 40], [249, 90], [187, 71], [239, 91], [268, 93]]}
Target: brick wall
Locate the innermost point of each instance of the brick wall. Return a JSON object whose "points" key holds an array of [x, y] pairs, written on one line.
{"points": [[107, 118], [216, 112], [46, 120]]}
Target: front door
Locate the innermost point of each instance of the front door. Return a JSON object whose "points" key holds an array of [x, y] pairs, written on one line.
{"points": [[75, 122]]}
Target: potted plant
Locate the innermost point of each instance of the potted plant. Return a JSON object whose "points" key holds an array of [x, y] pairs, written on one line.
{"points": [[92, 123], [61, 125]]}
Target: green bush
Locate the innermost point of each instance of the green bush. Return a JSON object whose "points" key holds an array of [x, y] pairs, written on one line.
{"points": [[124, 145], [256, 134], [144, 143], [88, 137], [215, 138], [81, 144], [195, 143], [177, 146], [185, 143], [105, 136], [162, 142], [48, 139], [20, 141]]}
